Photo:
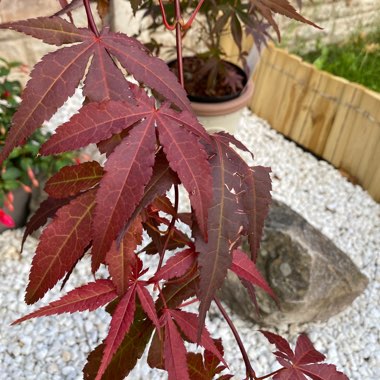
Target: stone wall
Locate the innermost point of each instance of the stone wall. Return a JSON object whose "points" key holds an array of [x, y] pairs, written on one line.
{"points": [[338, 18], [15, 46]]}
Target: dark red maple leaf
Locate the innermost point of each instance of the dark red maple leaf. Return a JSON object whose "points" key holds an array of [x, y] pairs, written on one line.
{"points": [[122, 320], [46, 210], [88, 297], [59, 72], [69, 233], [121, 257], [177, 265], [188, 323], [304, 361], [130, 350], [283, 7], [208, 366], [253, 192], [247, 270], [71, 180], [128, 170], [240, 203], [174, 351], [224, 224]]}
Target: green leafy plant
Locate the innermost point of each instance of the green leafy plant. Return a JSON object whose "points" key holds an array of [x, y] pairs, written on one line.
{"points": [[152, 145], [356, 59], [24, 166]]}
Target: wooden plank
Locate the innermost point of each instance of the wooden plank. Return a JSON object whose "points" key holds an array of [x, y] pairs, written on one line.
{"points": [[340, 122], [285, 91], [360, 146], [370, 161], [264, 90], [324, 112], [276, 85], [303, 121], [349, 104], [374, 186], [260, 72], [300, 77]]}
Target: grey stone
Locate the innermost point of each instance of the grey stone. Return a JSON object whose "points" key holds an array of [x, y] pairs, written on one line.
{"points": [[312, 278]]}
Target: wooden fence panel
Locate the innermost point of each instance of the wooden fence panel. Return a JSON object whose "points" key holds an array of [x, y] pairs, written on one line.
{"points": [[330, 116]]}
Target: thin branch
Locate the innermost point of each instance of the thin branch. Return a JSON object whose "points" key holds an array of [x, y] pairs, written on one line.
{"points": [[270, 374], [164, 19], [249, 370], [90, 18], [178, 37], [192, 17]]}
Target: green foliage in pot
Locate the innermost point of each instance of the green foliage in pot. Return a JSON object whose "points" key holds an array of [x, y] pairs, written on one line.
{"points": [[24, 166]]}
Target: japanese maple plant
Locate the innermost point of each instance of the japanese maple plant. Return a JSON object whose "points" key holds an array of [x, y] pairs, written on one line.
{"points": [[152, 145]]}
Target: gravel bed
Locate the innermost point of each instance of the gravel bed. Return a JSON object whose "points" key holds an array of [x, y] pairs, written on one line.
{"points": [[55, 348]]}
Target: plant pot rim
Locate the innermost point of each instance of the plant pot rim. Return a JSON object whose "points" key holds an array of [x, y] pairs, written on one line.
{"points": [[226, 107]]}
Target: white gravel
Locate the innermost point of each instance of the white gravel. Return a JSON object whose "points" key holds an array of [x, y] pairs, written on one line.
{"points": [[55, 348]]}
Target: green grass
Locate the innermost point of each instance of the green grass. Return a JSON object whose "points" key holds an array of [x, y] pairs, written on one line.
{"points": [[357, 60]]}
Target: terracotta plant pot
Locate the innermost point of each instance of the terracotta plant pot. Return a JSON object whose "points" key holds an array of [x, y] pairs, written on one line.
{"points": [[223, 115], [221, 111]]}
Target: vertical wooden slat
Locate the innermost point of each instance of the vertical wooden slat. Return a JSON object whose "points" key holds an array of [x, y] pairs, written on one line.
{"points": [[285, 90], [303, 119], [326, 109], [315, 117], [276, 85], [348, 124], [370, 162], [359, 142], [299, 85], [263, 84], [340, 123], [374, 186]]}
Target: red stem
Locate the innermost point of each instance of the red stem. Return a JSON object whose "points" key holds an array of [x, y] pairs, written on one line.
{"points": [[178, 37], [192, 17], [164, 19], [270, 374], [249, 370], [90, 18]]}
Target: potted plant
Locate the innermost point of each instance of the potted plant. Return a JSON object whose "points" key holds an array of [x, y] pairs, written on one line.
{"points": [[217, 87], [152, 145], [24, 169]]}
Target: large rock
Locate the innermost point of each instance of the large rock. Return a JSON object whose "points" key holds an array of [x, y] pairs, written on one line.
{"points": [[312, 278]]}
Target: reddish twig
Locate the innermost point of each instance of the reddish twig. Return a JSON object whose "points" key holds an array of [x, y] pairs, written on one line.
{"points": [[192, 17], [90, 18], [270, 374], [178, 37], [249, 370], [164, 19]]}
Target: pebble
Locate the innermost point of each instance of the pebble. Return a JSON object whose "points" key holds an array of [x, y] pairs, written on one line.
{"points": [[56, 347]]}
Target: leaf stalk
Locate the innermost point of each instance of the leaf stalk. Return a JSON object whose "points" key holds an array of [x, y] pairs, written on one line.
{"points": [[90, 18], [248, 368]]}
